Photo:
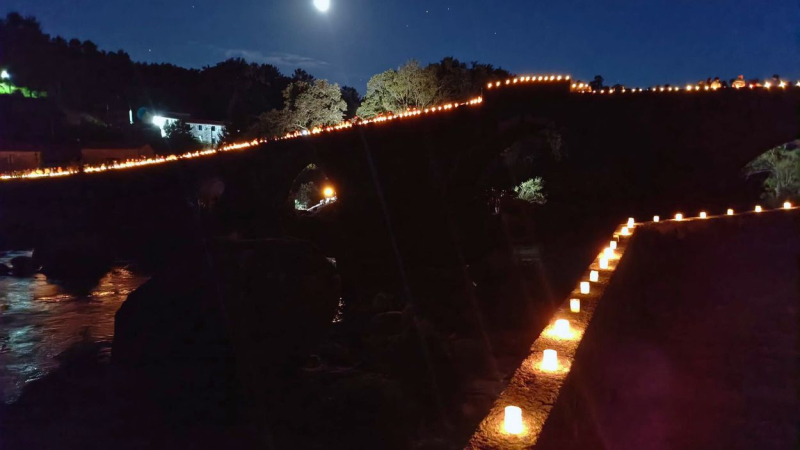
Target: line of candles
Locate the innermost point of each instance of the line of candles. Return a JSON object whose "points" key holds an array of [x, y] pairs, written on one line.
{"points": [[563, 329], [730, 212], [513, 420], [66, 171]]}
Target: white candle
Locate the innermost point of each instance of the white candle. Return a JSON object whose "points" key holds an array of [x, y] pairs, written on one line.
{"points": [[594, 276], [512, 422], [584, 287], [561, 328], [575, 305], [603, 262], [550, 360]]}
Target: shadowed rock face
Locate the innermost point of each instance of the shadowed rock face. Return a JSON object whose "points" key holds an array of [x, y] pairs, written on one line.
{"points": [[234, 319]]}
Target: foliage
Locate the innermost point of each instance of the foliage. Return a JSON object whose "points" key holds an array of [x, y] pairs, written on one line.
{"points": [[782, 166], [532, 191], [307, 195], [307, 105], [9, 88], [458, 82], [79, 76], [180, 139], [395, 91], [353, 99], [597, 83]]}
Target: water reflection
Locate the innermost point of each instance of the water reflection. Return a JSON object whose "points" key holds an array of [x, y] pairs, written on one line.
{"points": [[40, 319]]}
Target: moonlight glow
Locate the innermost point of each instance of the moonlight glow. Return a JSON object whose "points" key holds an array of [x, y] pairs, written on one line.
{"points": [[322, 5]]}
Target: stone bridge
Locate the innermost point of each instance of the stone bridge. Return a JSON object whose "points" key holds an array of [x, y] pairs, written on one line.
{"points": [[411, 190]]}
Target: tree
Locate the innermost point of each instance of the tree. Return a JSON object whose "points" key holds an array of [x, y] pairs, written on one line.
{"points": [[457, 82], [307, 195], [597, 83], [317, 104], [782, 167], [353, 99], [532, 191], [307, 105], [180, 139], [395, 91], [302, 75]]}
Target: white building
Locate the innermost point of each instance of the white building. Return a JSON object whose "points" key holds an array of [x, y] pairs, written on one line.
{"points": [[208, 132]]}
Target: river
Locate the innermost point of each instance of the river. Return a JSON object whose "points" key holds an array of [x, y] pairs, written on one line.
{"points": [[39, 319]]}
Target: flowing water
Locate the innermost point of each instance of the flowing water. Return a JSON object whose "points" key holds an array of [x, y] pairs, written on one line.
{"points": [[40, 318]]}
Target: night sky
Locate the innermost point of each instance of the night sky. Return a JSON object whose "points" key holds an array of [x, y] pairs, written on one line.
{"points": [[637, 42]]}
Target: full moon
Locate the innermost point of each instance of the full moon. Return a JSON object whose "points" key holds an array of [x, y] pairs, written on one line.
{"points": [[322, 5]]}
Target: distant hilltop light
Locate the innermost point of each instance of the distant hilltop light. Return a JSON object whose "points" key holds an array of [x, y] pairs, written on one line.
{"points": [[4, 75], [322, 5]]}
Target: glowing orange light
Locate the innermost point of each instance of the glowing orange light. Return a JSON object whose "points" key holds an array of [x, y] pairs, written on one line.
{"points": [[679, 216], [703, 215], [625, 231], [603, 262], [328, 192], [787, 205], [730, 212], [594, 276], [512, 420], [608, 252], [612, 245], [758, 208], [630, 222], [584, 287], [575, 305], [656, 218]]}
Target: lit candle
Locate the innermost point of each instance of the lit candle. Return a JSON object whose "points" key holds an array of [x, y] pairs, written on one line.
{"points": [[656, 218], [758, 208], [584, 287], [550, 360], [787, 205], [608, 252], [679, 216], [575, 305], [594, 276], [630, 222], [561, 328], [730, 212], [703, 215], [512, 422], [612, 245], [625, 231], [603, 262]]}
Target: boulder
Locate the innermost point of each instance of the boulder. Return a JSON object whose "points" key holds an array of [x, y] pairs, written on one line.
{"points": [[235, 319], [23, 266], [77, 258]]}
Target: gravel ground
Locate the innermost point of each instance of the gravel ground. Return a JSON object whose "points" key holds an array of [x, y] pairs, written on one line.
{"points": [[695, 344]]}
